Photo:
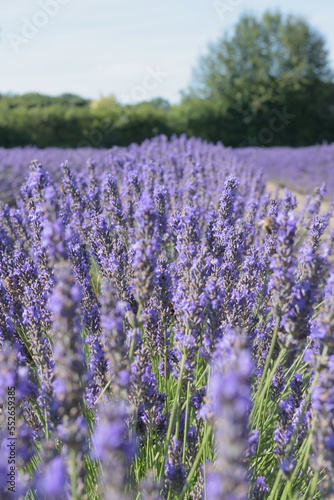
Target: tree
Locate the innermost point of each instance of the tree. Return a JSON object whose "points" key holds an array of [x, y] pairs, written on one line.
{"points": [[261, 63]]}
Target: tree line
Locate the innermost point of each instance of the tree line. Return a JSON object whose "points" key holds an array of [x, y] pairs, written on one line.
{"points": [[269, 83]]}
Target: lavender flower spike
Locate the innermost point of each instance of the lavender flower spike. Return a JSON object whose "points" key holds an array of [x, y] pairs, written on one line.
{"points": [[229, 404]]}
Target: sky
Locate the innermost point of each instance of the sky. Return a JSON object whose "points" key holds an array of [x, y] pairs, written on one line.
{"points": [[134, 49]]}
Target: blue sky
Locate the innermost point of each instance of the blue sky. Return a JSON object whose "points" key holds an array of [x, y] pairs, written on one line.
{"points": [[134, 49]]}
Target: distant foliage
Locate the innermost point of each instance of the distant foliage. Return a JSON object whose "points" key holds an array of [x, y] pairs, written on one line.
{"points": [[268, 84], [266, 64]]}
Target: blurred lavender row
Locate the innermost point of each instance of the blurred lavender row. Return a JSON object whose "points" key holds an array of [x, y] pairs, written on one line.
{"points": [[299, 169]]}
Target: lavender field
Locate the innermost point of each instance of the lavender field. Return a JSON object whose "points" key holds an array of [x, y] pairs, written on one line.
{"points": [[166, 325], [299, 169]]}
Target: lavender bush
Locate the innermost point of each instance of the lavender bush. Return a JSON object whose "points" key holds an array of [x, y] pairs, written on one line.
{"points": [[167, 329]]}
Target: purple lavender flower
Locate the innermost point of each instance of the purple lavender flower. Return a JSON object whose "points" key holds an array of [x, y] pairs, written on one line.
{"points": [[113, 339], [145, 396], [293, 422], [70, 370], [260, 488], [322, 326], [283, 265], [160, 200], [112, 201], [253, 441], [145, 250], [229, 403], [52, 481], [114, 448], [175, 473], [323, 439], [149, 488]]}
